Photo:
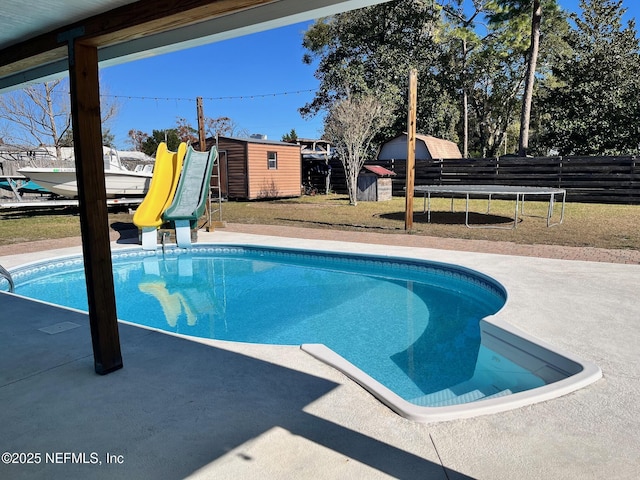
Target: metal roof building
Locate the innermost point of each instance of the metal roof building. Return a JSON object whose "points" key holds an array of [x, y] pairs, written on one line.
{"points": [[427, 147]]}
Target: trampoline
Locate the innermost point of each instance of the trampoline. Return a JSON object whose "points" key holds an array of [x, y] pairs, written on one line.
{"points": [[516, 192]]}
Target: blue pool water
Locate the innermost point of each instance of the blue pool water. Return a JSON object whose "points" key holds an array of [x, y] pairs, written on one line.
{"points": [[411, 325]]}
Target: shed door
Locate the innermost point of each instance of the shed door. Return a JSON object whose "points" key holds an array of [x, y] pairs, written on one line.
{"points": [[224, 174]]}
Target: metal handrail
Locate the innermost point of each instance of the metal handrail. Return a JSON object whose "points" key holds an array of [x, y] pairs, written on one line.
{"points": [[4, 273]]}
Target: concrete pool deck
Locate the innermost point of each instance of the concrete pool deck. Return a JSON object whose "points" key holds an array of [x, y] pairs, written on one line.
{"points": [[181, 408]]}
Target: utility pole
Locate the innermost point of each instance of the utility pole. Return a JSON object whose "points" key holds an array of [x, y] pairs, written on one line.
{"points": [[201, 135], [203, 148]]}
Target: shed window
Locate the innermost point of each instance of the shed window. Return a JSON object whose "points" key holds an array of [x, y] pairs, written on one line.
{"points": [[272, 160]]}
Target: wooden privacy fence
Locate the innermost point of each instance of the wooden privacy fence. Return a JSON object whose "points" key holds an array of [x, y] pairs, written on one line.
{"points": [[586, 179]]}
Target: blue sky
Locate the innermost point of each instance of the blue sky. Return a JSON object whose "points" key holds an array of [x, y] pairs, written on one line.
{"points": [[246, 69], [255, 70]]}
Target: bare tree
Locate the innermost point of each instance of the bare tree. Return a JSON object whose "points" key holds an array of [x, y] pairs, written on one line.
{"points": [[136, 139], [40, 115], [186, 132], [223, 126], [351, 124], [37, 115]]}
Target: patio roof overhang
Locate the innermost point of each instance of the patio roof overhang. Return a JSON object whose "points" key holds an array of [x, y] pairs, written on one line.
{"points": [[33, 48], [48, 39]]}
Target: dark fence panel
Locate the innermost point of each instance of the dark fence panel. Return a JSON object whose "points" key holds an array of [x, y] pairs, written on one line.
{"points": [[586, 179], [468, 171], [338, 177], [544, 171], [601, 179]]}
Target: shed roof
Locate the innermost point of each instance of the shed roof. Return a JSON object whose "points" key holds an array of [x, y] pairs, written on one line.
{"points": [[427, 146], [259, 140], [439, 148], [378, 170]]}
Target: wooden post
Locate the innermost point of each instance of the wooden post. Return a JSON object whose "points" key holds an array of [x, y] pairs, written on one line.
{"points": [[94, 221], [203, 148], [201, 134], [411, 149]]}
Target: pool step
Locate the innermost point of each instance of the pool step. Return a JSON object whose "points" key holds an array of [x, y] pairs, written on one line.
{"points": [[466, 393], [501, 393]]}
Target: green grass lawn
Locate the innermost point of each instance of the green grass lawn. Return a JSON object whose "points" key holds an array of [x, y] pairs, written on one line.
{"points": [[595, 225]]}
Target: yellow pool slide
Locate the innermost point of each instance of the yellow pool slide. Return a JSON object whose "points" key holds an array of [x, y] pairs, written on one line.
{"points": [[173, 304], [164, 182]]}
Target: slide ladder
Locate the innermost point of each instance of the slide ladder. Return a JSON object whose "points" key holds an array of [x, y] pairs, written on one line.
{"points": [[192, 193]]}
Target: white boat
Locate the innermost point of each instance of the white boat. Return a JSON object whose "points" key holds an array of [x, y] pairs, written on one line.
{"points": [[119, 180]]}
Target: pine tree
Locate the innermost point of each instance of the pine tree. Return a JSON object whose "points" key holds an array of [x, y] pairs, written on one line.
{"points": [[595, 107]]}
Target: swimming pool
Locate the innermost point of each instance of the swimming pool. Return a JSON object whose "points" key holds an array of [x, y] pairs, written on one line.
{"points": [[412, 332]]}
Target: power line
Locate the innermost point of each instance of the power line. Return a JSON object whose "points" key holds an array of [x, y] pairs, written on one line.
{"points": [[238, 97]]}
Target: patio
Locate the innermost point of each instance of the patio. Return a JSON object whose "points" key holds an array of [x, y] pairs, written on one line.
{"points": [[210, 409]]}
